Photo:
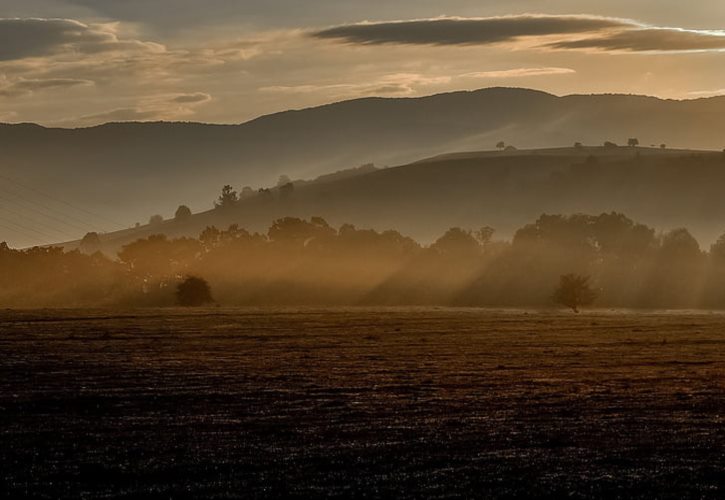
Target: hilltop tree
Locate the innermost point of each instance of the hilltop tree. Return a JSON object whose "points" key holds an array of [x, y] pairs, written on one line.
{"points": [[91, 243], [156, 220], [193, 292], [574, 292], [228, 198], [633, 142], [182, 213], [247, 192], [500, 145]]}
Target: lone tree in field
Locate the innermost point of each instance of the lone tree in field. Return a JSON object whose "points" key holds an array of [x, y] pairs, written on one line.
{"points": [[193, 292], [501, 145], [574, 292], [633, 142]]}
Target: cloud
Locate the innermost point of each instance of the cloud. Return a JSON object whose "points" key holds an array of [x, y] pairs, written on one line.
{"points": [[196, 98], [649, 40], [570, 32], [707, 93], [121, 115], [520, 73], [23, 86], [393, 84], [7, 116], [468, 31], [343, 90], [156, 108], [34, 37]]}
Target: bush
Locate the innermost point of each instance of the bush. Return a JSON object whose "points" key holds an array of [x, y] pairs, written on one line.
{"points": [[193, 292], [574, 291], [182, 213]]}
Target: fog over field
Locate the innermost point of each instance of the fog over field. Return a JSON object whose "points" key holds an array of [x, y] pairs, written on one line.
{"points": [[380, 249]]}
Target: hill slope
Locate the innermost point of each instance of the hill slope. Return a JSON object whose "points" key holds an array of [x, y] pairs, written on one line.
{"points": [[130, 170], [662, 188]]}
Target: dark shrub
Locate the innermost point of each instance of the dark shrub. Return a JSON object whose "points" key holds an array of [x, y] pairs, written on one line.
{"points": [[193, 292]]}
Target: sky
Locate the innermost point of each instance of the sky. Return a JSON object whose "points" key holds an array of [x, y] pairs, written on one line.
{"points": [[72, 63]]}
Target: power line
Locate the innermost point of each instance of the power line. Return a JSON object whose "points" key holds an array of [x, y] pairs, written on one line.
{"points": [[43, 224], [42, 214], [26, 230], [47, 195], [84, 224]]}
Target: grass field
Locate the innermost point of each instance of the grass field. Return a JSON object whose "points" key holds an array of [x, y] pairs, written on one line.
{"points": [[414, 403]]}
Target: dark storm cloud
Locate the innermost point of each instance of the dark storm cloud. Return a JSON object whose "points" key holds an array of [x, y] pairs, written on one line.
{"points": [[649, 40], [469, 31], [575, 32], [38, 37], [32, 37]]}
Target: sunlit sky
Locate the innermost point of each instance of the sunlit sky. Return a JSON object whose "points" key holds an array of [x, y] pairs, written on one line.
{"points": [[84, 62]]}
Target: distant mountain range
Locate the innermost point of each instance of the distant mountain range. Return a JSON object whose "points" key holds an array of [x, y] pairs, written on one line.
{"points": [[129, 171]]}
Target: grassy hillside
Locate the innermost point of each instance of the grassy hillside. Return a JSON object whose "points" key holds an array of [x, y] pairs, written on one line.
{"points": [[662, 188]]}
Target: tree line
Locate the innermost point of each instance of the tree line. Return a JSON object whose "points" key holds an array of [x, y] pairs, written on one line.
{"points": [[298, 262]]}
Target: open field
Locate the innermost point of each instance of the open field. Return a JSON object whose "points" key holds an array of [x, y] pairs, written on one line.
{"points": [[352, 402]]}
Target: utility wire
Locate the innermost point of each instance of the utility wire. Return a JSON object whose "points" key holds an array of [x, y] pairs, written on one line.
{"points": [[42, 224], [47, 195], [73, 227], [25, 230], [84, 225]]}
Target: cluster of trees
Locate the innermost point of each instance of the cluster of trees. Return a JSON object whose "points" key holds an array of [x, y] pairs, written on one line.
{"points": [[608, 257]]}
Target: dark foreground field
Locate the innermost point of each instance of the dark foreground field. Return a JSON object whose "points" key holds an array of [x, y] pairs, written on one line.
{"points": [[412, 403]]}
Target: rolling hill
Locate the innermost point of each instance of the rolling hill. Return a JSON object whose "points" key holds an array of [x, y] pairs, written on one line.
{"points": [[660, 187], [128, 171]]}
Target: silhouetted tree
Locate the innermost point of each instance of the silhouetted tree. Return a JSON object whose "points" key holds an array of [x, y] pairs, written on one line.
{"points": [[156, 220], [182, 213], [633, 142], [500, 145], [193, 292], [574, 292], [90, 243], [210, 236], [457, 243], [227, 199], [484, 235]]}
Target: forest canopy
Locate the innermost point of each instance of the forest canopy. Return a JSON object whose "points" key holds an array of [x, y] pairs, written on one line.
{"points": [[309, 262]]}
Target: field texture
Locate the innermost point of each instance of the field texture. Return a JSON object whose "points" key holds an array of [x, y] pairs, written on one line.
{"points": [[413, 403]]}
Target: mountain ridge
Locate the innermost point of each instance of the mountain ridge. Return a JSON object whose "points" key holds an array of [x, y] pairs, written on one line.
{"points": [[131, 170]]}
